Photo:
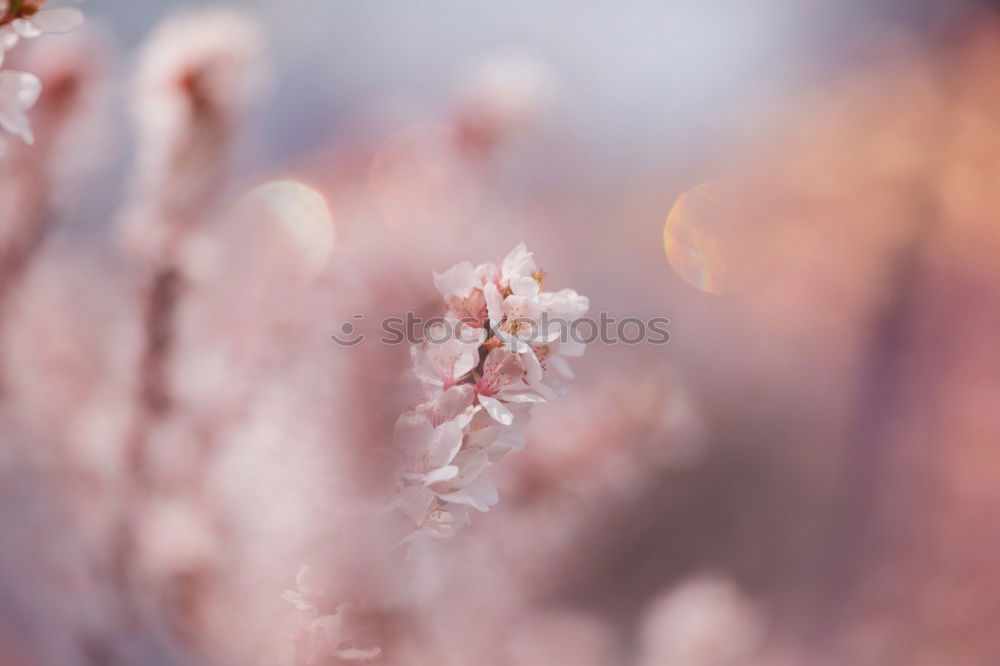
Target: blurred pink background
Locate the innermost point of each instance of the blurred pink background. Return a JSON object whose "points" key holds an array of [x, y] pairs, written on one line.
{"points": [[805, 474]]}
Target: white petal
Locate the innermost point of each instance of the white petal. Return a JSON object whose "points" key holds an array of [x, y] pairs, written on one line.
{"points": [[525, 286], [509, 440], [18, 92], [565, 304], [8, 38], [445, 444], [455, 403], [412, 433], [296, 599], [446, 473], [471, 464], [480, 495], [514, 343], [20, 89], [414, 501], [532, 368], [518, 263], [358, 654], [25, 28], [63, 19], [521, 392], [494, 304], [496, 409], [457, 281], [17, 123], [423, 366], [467, 360]]}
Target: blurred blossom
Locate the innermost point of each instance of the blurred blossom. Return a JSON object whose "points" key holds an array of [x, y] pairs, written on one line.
{"points": [[75, 109], [18, 92], [505, 93], [194, 80], [705, 621]]}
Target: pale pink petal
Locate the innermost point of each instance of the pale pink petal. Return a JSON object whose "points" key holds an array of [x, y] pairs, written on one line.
{"points": [[25, 28], [518, 263], [412, 433], [480, 495], [494, 304], [444, 445], [62, 19], [532, 368], [526, 286], [458, 281], [446, 473], [496, 409]]}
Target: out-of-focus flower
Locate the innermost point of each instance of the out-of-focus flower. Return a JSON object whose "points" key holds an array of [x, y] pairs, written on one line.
{"points": [[504, 94], [337, 635], [18, 92], [306, 596], [431, 516], [705, 621], [194, 81]]}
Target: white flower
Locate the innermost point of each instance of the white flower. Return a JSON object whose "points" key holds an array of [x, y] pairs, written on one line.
{"points": [[469, 487], [519, 272], [429, 450], [496, 439], [545, 364], [337, 635], [461, 286], [466, 289], [482, 387], [502, 382], [18, 92], [30, 19], [443, 364], [455, 403], [431, 516]]}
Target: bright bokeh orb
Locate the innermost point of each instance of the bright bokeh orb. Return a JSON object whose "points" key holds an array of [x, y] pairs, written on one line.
{"points": [[706, 240], [299, 222]]}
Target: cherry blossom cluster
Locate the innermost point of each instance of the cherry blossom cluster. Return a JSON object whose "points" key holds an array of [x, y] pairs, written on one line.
{"points": [[25, 19], [501, 348]]}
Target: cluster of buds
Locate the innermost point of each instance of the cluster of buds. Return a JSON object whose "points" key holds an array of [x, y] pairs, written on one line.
{"points": [[25, 19], [501, 347]]}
